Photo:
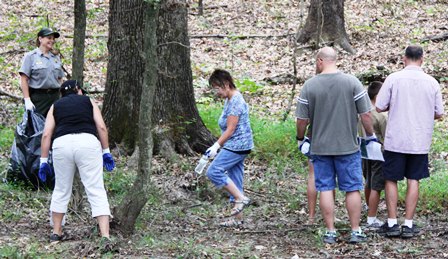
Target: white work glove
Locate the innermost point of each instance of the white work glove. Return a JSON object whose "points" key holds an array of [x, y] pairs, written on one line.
{"points": [[28, 104], [304, 145], [371, 138], [213, 150]]}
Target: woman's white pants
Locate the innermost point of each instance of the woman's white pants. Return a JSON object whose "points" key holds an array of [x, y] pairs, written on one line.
{"points": [[80, 152]]}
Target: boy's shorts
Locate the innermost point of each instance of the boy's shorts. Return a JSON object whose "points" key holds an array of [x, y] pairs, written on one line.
{"points": [[347, 169], [373, 173], [399, 165]]}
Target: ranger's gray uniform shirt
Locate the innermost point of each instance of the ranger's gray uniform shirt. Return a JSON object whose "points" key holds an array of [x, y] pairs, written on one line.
{"points": [[332, 103], [43, 71]]}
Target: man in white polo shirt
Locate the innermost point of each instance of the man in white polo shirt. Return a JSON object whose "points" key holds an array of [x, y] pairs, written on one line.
{"points": [[414, 101]]}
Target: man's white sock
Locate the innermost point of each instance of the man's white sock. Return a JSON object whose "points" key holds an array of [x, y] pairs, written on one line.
{"points": [[391, 222], [408, 222], [370, 220]]}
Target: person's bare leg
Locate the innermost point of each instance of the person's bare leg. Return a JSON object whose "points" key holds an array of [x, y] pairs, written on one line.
{"points": [[327, 208], [57, 221], [353, 205], [391, 199], [373, 202], [367, 193], [311, 193], [103, 222], [235, 192], [411, 198]]}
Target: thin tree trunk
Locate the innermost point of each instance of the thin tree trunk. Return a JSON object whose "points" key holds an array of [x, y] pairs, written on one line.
{"points": [[200, 7], [127, 212], [78, 74], [333, 28], [79, 41], [125, 72]]}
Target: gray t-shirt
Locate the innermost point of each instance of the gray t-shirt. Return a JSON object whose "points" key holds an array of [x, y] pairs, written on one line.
{"points": [[43, 71], [332, 103]]}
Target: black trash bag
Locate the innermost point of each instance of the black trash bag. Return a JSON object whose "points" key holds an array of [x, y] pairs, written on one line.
{"points": [[25, 152]]}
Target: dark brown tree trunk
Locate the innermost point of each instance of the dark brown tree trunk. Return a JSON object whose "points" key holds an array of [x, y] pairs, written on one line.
{"points": [[326, 22], [127, 212], [201, 7], [79, 38], [78, 74], [125, 72], [179, 128]]}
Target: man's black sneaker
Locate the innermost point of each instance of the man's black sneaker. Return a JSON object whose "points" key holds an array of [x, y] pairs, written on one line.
{"points": [[357, 237], [393, 231], [330, 237], [407, 232], [55, 238]]}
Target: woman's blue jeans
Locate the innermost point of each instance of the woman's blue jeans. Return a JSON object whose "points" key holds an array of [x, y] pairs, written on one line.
{"points": [[227, 166]]}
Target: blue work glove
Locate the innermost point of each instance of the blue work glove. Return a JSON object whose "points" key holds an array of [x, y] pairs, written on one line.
{"points": [[108, 160], [371, 138], [44, 169], [304, 146]]}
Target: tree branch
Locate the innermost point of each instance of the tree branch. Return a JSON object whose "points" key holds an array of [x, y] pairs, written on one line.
{"points": [[10, 95], [240, 37], [436, 38], [174, 42], [14, 51]]}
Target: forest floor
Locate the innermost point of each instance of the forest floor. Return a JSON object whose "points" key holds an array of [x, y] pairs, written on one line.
{"points": [[181, 217]]}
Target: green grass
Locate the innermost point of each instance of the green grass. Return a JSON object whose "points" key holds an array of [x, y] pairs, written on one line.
{"points": [[6, 138]]}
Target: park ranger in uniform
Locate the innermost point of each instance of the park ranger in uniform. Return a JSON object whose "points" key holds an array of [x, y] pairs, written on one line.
{"points": [[41, 73]]}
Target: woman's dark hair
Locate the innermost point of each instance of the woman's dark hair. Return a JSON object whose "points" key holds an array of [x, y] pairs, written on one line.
{"points": [[54, 51], [374, 89], [221, 77]]}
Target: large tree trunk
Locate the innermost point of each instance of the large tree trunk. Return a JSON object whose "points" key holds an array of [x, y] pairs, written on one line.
{"points": [[179, 128], [127, 212], [327, 27], [125, 72]]}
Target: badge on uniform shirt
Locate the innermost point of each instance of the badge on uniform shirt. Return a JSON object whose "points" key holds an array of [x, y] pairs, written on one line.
{"points": [[39, 62]]}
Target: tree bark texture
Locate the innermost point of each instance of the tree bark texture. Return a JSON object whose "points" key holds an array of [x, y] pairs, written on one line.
{"points": [[125, 72], [137, 196], [326, 22], [201, 7], [179, 126], [79, 41], [78, 74]]}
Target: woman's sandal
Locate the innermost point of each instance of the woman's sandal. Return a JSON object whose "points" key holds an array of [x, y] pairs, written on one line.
{"points": [[231, 223], [239, 206]]}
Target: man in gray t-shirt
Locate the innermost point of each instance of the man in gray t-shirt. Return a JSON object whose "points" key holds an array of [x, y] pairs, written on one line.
{"points": [[331, 102]]}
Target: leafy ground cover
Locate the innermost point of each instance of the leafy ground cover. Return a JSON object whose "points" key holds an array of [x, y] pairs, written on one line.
{"points": [[181, 217]]}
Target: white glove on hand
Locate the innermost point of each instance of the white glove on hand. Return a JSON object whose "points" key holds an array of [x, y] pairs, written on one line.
{"points": [[43, 160], [304, 145], [213, 150], [28, 104], [371, 138]]}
